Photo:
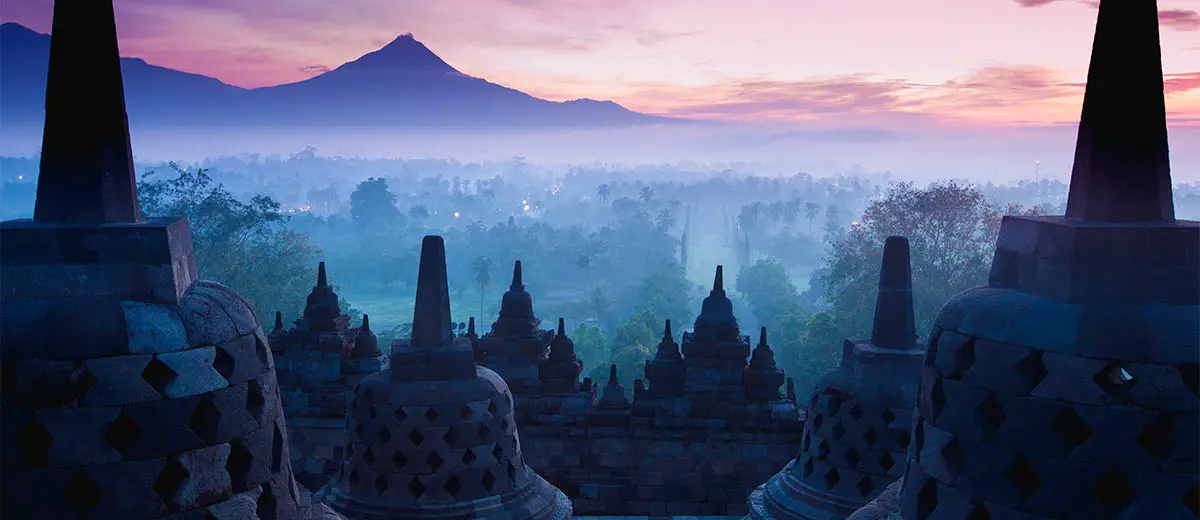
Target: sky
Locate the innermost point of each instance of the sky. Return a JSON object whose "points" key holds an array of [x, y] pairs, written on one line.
{"points": [[879, 63]]}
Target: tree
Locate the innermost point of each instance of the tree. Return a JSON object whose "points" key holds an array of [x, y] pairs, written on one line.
{"points": [[591, 346], [951, 231], [242, 244], [373, 203], [603, 192], [646, 194], [665, 219], [820, 350], [768, 290], [482, 268], [597, 303], [811, 211], [418, 213]]}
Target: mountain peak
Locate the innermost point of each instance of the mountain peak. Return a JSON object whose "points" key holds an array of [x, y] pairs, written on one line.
{"points": [[404, 54], [16, 35]]}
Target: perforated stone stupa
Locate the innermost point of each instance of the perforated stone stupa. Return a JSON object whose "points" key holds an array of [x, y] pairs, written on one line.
{"points": [[433, 436], [515, 346], [860, 416], [130, 389], [1068, 386]]}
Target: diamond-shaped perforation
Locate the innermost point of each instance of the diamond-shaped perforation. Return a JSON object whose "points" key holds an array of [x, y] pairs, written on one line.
{"points": [[372, 412], [123, 432], [223, 363], [452, 486], [808, 469], [385, 435], [264, 353], [169, 480], [886, 462], [381, 485], [978, 512], [35, 440], [484, 432], [400, 414], [865, 487], [991, 414], [937, 399], [888, 417], [359, 432], [838, 431], [498, 452], [466, 412], [159, 375], [823, 450], [504, 425], [903, 439], [964, 358], [354, 477], [1071, 428], [931, 351], [205, 419], [82, 380], [1023, 476], [953, 457], [431, 415], [488, 480], [415, 437], [399, 460], [856, 412], [927, 500], [368, 455], [512, 473], [368, 393], [832, 477], [267, 507], [435, 461], [816, 421], [870, 438], [492, 408], [254, 399], [852, 458], [1113, 491], [277, 450], [82, 493], [1190, 375], [1031, 369], [238, 464], [451, 436], [468, 457]]}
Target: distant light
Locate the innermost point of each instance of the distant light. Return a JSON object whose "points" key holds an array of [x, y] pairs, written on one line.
{"points": [[456, 214], [20, 177], [527, 207], [525, 202]]}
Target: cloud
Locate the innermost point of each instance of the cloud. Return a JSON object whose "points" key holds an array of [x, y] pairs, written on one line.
{"points": [[314, 69], [1180, 19], [1180, 83]]}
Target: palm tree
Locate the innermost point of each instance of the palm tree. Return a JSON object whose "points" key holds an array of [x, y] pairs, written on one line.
{"points": [[811, 211], [597, 302], [665, 219], [603, 192], [483, 279], [646, 195]]}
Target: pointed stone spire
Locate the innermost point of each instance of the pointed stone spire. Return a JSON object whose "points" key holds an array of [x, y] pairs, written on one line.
{"points": [[716, 319], [562, 330], [763, 357], [366, 343], [322, 280], [668, 349], [322, 312], [432, 327], [718, 287], [562, 349], [518, 285], [895, 325], [471, 328], [86, 174], [1122, 169], [791, 389], [278, 323], [613, 396]]}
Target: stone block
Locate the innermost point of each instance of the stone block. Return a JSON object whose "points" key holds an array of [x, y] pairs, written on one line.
{"points": [[78, 435], [194, 372], [39, 492], [240, 506], [239, 360], [153, 328], [38, 383], [156, 429], [127, 489], [118, 381], [232, 303], [204, 478], [205, 321]]}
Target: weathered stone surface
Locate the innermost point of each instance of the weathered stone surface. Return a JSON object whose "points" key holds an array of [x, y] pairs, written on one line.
{"points": [[153, 329]]}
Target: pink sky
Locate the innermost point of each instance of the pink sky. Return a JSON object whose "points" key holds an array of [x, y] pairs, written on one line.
{"points": [[851, 62]]}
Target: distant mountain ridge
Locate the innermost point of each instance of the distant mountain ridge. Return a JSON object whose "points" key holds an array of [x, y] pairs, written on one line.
{"points": [[402, 85]]}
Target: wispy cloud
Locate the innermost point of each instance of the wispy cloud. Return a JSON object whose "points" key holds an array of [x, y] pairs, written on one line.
{"points": [[1178, 19]]}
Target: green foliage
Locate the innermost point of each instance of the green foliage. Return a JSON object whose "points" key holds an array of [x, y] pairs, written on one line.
{"points": [[373, 203], [591, 346], [951, 231], [769, 291], [243, 245], [819, 350]]}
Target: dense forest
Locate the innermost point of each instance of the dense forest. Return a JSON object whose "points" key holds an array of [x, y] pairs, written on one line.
{"points": [[615, 250]]}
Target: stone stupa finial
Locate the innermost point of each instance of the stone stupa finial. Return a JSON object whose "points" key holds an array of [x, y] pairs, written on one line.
{"points": [[895, 324]]}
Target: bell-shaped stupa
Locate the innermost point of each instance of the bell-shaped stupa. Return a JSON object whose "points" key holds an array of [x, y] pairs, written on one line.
{"points": [[433, 436], [857, 428], [131, 389], [1068, 386]]}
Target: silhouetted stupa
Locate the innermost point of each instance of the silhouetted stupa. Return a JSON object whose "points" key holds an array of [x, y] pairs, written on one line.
{"points": [[433, 436], [859, 419], [1068, 386], [130, 389]]}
